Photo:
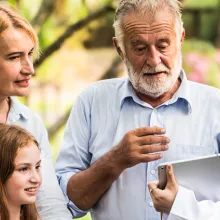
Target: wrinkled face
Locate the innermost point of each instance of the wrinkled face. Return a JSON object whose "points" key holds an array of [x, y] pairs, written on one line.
{"points": [[152, 52], [16, 65], [25, 181]]}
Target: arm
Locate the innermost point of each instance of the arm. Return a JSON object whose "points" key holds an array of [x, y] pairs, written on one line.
{"points": [[179, 203], [134, 148], [83, 183], [51, 203]]}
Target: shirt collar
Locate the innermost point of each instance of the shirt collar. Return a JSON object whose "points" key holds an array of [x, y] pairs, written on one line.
{"points": [[18, 110], [182, 93]]}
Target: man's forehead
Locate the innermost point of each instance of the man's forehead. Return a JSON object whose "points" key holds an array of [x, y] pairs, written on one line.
{"points": [[136, 23], [148, 20]]}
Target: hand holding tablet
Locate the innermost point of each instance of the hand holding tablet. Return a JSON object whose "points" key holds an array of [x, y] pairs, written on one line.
{"points": [[199, 175]]}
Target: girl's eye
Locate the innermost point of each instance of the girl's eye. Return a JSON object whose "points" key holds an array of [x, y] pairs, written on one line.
{"points": [[38, 167], [23, 169]]}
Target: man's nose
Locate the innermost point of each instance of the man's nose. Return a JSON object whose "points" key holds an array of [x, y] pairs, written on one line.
{"points": [[27, 67], [153, 58]]}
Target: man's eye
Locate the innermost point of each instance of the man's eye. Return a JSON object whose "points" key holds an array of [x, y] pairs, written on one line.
{"points": [[162, 47], [140, 49]]}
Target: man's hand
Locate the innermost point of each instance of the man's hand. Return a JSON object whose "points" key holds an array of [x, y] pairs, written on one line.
{"points": [[163, 199], [140, 145]]}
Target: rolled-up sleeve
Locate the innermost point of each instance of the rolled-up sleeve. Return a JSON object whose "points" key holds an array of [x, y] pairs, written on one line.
{"points": [[74, 155]]}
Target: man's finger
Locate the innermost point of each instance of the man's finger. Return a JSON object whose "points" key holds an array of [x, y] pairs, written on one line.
{"points": [[152, 185], [153, 139], [149, 131], [144, 158], [153, 148]]}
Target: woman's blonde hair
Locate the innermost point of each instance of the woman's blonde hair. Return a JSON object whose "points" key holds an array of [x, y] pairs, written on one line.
{"points": [[13, 138], [10, 17]]}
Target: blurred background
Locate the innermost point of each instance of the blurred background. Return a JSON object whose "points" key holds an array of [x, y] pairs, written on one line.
{"points": [[76, 45]]}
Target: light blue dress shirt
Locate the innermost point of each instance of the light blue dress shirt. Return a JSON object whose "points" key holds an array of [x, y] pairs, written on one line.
{"points": [[101, 116], [51, 203]]}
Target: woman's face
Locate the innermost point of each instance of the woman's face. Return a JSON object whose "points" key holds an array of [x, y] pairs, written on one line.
{"points": [[16, 64], [25, 181]]}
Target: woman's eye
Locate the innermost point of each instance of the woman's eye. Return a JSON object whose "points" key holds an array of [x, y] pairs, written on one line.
{"points": [[14, 58]]}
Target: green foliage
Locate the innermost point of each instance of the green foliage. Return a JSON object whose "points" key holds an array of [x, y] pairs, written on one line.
{"points": [[87, 217], [200, 3], [13, 2], [29, 8], [200, 46], [209, 26]]}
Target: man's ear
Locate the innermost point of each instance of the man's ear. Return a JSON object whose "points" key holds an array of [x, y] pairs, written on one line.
{"points": [[183, 36], [117, 47]]}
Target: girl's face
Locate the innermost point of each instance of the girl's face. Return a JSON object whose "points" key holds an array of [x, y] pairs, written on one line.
{"points": [[25, 181], [16, 64]]}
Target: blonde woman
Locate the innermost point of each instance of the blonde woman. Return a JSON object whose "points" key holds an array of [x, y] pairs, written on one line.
{"points": [[18, 45]]}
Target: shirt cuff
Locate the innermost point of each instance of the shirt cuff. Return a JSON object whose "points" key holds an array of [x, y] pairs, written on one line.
{"points": [[76, 212], [179, 209]]}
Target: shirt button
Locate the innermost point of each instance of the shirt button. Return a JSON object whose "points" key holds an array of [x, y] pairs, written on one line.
{"points": [[151, 204], [153, 172]]}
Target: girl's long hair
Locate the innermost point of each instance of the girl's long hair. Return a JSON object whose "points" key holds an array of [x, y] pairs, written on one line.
{"points": [[13, 138]]}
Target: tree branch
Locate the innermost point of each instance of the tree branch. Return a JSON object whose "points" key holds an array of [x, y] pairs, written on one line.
{"points": [[69, 31], [111, 72], [44, 12]]}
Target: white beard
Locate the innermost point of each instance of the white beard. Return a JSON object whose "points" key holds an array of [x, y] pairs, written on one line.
{"points": [[152, 86]]}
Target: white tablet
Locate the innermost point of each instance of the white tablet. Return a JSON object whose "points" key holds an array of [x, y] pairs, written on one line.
{"points": [[201, 175]]}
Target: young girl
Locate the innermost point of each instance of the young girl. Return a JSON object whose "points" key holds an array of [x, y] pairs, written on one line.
{"points": [[20, 176]]}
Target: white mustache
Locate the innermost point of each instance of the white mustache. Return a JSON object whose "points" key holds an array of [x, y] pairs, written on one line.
{"points": [[160, 68]]}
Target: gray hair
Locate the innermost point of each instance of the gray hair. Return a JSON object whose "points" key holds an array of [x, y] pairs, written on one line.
{"points": [[146, 7]]}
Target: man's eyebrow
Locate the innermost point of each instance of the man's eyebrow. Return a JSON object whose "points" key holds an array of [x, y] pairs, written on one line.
{"points": [[164, 40], [137, 42]]}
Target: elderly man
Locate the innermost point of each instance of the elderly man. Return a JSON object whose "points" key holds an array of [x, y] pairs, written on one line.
{"points": [[119, 129]]}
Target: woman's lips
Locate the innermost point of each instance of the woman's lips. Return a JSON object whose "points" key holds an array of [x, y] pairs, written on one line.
{"points": [[23, 83]]}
